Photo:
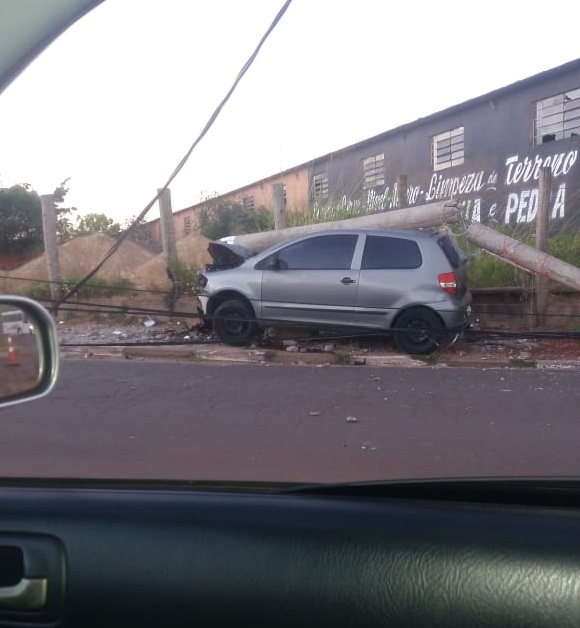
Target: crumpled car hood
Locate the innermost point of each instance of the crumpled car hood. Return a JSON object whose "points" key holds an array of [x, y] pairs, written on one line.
{"points": [[227, 255]]}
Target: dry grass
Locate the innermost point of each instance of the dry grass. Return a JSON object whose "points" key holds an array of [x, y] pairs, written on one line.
{"points": [[191, 250], [79, 256]]}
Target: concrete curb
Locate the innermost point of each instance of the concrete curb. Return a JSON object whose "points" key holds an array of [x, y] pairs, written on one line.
{"points": [[266, 357]]}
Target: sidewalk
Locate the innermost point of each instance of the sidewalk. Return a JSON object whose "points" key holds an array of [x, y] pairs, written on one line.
{"points": [[489, 353]]}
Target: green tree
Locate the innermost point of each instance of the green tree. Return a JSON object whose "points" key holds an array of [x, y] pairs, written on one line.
{"points": [[140, 232], [224, 218], [96, 223], [64, 225], [20, 219]]}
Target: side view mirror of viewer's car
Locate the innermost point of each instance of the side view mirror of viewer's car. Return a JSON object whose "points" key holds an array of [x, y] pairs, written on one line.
{"points": [[28, 351]]}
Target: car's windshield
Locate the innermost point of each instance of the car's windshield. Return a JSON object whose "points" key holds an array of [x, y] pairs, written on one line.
{"points": [[435, 333]]}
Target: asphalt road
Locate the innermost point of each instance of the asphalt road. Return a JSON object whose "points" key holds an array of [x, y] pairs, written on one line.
{"points": [[122, 419]]}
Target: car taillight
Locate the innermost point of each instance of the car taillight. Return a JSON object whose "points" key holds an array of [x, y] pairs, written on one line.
{"points": [[448, 282]]}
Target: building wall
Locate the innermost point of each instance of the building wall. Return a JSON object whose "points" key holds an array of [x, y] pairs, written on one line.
{"points": [[296, 183], [497, 181]]}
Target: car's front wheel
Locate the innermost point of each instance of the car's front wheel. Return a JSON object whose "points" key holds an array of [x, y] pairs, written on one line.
{"points": [[419, 331], [234, 322]]}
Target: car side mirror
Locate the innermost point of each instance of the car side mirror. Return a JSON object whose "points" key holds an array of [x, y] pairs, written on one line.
{"points": [[270, 263], [28, 351]]}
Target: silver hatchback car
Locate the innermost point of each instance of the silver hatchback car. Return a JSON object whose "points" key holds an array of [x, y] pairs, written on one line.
{"points": [[412, 284]]}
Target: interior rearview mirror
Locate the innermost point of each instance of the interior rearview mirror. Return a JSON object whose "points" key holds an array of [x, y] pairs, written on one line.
{"points": [[28, 350]]}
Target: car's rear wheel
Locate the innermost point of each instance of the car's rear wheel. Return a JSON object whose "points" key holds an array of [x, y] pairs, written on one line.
{"points": [[234, 322], [419, 331]]}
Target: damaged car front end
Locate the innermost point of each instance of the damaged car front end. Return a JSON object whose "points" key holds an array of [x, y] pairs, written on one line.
{"points": [[225, 256]]}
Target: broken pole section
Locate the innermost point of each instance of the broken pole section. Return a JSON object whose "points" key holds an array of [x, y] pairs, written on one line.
{"points": [[542, 231], [49, 229], [523, 256], [419, 217]]}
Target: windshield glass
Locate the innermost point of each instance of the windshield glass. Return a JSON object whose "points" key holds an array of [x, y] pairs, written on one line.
{"points": [[156, 147]]}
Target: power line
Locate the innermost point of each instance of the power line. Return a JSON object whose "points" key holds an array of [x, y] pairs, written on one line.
{"points": [[104, 287], [183, 161]]}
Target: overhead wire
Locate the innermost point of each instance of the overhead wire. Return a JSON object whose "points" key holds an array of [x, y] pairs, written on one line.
{"points": [[184, 159]]}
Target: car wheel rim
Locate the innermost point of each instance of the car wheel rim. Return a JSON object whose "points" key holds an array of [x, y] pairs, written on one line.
{"points": [[235, 325], [419, 333]]}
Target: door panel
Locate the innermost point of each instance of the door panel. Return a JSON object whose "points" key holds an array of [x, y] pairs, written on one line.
{"points": [[390, 269], [309, 296], [175, 557], [314, 281]]}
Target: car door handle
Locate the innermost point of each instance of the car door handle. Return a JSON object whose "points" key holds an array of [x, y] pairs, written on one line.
{"points": [[347, 280], [28, 595]]}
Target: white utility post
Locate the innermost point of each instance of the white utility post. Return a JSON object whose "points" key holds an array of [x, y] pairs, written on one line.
{"points": [[167, 226], [49, 228], [523, 256], [422, 216]]}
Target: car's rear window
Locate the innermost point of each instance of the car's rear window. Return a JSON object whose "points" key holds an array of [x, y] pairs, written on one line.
{"points": [[450, 250], [382, 252]]}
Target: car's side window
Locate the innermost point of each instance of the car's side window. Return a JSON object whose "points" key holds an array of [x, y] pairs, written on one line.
{"points": [[383, 252], [329, 252]]}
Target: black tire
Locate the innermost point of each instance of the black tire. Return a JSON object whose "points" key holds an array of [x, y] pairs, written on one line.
{"points": [[420, 331], [234, 322]]}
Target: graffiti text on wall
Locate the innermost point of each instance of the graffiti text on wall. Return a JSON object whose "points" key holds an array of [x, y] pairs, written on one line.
{"points": [[508, 194], [522, 206], [441, 188]]}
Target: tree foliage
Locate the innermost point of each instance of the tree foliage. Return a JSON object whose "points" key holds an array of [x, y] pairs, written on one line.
{"points": [[21, 228], [64, 225], [224, 218], [20, 219], [139, 233], [96, 223]]}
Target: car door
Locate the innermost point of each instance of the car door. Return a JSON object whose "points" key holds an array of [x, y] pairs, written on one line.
{"points": [[312, 281], [388, 274]]}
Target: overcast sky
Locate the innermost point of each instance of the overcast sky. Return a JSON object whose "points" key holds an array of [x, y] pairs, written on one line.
{"points": [[117, 100]]}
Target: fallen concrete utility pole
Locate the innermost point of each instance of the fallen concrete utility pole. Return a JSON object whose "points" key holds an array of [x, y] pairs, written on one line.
{"points": [[524, 256], [420, 217]]}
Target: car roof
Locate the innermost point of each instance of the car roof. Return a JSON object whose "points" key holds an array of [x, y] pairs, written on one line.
{"points": [[415, 234]]}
